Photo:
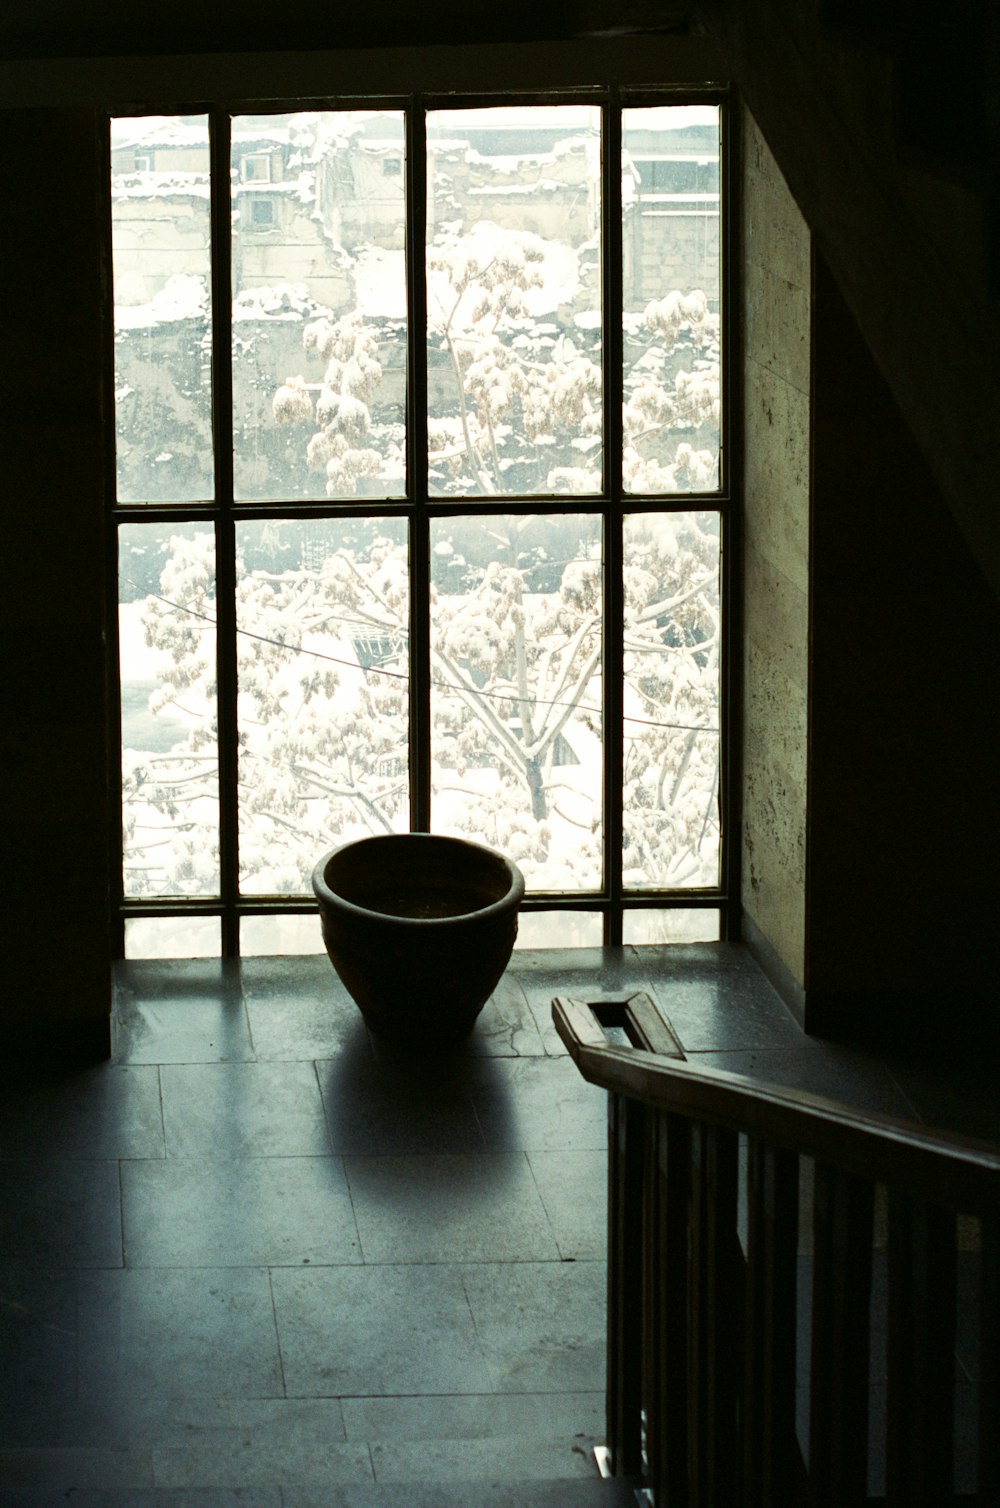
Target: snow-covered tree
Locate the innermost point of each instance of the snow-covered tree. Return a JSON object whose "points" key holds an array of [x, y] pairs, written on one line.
{"points": [[516, 704]]}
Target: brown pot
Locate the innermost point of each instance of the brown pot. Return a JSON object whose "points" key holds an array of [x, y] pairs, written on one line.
{"points": [[419, 928]]}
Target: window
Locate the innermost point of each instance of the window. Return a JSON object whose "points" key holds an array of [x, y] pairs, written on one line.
{"points": [[262, 214], [255, 167], [421, 513]]}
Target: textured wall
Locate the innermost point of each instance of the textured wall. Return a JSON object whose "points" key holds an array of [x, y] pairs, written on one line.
{"points": [[776, 396]]}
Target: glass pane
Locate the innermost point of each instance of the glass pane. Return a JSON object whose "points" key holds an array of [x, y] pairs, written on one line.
{"points": [[172, 937], [293, 935], [559, 929], [170, 759], [322, 614], [671, 735], [319, 305], [514, 300], [677, 926], [516, 724], [671, 288], [161, 258]]}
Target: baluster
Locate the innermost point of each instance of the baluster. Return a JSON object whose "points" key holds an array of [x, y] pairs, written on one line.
{"points": [[842, 1270], [715, 1341], [989, 1362], [626, 1149], [920, 1399], [667, 1325], [770, 1449]]}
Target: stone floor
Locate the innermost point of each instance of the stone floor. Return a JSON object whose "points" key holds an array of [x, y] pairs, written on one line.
{"points": [[258, 1259]]}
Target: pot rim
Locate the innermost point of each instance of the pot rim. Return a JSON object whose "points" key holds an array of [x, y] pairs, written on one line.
{"points": [[507, 902]]}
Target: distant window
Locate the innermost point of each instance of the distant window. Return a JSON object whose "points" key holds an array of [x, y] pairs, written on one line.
{"points": [[256, 168], [262, 213], [677, 176], [392, 167], [143, 162]]}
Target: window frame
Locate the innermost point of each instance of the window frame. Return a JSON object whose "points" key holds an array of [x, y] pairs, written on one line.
{"points": [[420, 507]]}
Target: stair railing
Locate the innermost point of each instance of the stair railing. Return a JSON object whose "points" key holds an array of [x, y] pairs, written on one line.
{"points": [[760, 1240]]}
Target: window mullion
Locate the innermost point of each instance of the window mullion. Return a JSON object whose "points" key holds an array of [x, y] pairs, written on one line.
{"points": [[611, 244], [417, 468], [225, 537]]}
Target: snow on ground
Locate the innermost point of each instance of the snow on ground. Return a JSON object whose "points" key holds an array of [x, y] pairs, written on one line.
{"points": [[380, 282], [183, 296]]}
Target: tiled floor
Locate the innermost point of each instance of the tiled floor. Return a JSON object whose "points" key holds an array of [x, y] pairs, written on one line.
{"points": [[261, 1259]]}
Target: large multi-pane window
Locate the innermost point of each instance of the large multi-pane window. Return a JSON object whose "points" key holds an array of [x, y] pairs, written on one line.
{"points": [[421, 504]]}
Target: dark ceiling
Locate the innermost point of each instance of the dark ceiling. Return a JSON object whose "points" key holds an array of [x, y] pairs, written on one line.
{"points": [[108, 28]]}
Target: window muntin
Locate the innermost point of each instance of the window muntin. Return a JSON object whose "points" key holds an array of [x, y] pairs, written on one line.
{"points": [[516, 678], [319, 310], [672, 661], [322, 638], [429, 754], [514, 300], [167, 620], [671, 286], [161, 249]]}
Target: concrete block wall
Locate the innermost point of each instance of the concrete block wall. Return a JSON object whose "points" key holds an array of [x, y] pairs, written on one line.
{"points": [[776, 387]]}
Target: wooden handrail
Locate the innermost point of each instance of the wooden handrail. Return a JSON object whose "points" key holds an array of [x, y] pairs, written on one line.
{"points": [[741, 1212], [956, 1172]]}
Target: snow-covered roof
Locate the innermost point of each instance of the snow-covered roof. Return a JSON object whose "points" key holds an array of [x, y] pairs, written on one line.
{"points": [[150, 185], [157, 131]]}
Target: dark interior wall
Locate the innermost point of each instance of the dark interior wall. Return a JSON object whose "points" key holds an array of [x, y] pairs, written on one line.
{"points": [[902, 804], [54, 838], [903, 737]]}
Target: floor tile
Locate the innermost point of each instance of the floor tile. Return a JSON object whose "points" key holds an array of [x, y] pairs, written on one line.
{"points": [[539, 1104], [241, 1212], [57, 1213], [298, 1009], [148, 1421], [394, 1103], [180, 1011], [725, 1009], [104, 1111], [574, 1190], [213, 1110], [506, 1027], [823, 1068], [38, 1317], [592, 1493], [249, 1463], [478, 1416], [353, 1331], [151, 1497], [483, 1460], [178, 1333], [449, 1209], [64, 1471], [541, 1324], [963, 1101], [583, 974]]}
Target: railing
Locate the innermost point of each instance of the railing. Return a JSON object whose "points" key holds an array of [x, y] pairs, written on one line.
{"points": [[784, 1272]]}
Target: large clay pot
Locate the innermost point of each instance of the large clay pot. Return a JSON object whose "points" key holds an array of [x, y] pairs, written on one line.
{"points": [[419, 928]]}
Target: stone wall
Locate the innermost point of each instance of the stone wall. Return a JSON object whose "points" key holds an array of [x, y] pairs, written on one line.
{"points": [[776, 384]]}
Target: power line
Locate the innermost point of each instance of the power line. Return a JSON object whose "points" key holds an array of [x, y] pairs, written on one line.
{"points": [[402, 675]]}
